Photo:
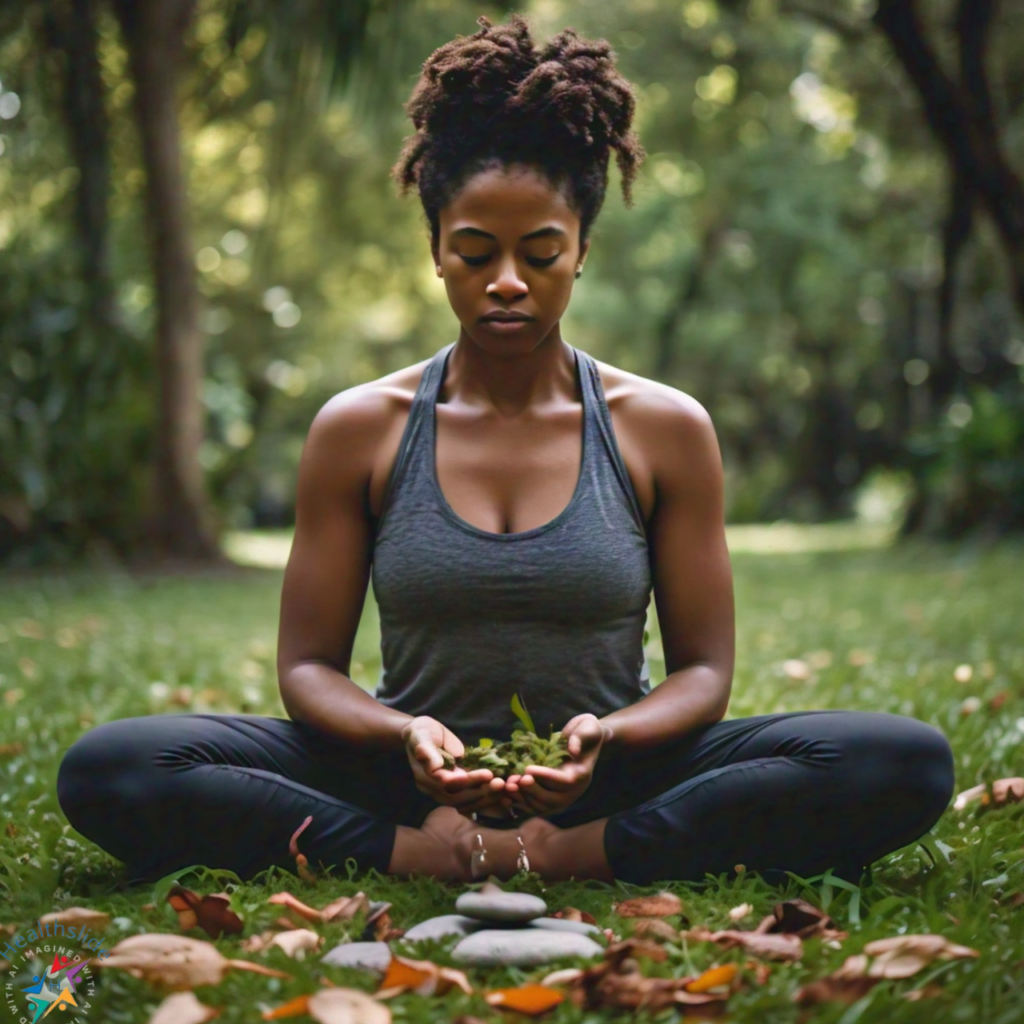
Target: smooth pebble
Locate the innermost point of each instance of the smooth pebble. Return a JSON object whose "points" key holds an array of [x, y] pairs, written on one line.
{"points": [[559, 924], [363, 956], [501, 906], [443, 926], [522, 947]]}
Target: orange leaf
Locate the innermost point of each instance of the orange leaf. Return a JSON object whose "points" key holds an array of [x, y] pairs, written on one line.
{"points": [[404, 975], [712, 978], [531, 999], [290, 1009]]}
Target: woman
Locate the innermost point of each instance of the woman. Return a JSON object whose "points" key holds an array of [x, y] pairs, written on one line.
{"points": [[517, 501]]}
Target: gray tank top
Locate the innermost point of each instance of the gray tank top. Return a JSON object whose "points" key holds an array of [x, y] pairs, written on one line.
{"points": [[468, 617]]}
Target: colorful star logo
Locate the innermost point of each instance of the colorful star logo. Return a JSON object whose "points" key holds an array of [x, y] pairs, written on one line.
{"points": [[56, 990]]}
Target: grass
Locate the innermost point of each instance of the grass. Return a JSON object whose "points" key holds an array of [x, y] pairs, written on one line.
{"points": [[873, 627]]}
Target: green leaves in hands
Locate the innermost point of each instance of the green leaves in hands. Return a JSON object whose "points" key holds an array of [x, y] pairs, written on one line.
{"points": [[514, 756]]}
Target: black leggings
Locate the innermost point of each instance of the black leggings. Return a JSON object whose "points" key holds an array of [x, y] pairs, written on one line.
{"points": [[802, 792]]}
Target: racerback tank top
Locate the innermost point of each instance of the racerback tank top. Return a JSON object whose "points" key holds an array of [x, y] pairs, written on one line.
{"points": [[468, 618]]}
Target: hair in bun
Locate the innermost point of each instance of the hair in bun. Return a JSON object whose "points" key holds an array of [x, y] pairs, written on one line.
{"points": [[494, 98]]}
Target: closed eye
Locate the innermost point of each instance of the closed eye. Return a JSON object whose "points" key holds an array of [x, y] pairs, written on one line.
{"points": [[479, 261]]}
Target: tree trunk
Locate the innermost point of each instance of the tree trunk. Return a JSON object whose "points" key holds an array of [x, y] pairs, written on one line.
{"points": [[961, 117], [182, 521], [71, 30]]}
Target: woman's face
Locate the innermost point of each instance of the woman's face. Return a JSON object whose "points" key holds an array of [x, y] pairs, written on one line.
{"points": [[508, 244]]}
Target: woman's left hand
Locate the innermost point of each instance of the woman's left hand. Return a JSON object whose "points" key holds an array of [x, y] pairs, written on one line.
{"points": [[546, 791]]}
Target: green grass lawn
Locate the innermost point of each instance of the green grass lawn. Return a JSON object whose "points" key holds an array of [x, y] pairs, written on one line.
{"points": [[855, 626]]}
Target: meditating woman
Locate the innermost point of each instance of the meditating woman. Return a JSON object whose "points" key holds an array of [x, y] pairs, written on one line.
{"points": [[517, 502]]}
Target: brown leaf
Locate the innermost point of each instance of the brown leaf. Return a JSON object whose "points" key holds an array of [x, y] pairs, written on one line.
{"points": [[211, 913], [345, 908], [655, 928], [904, 955], [833, 989], [94, 919], [420, 976], [176, 962], [342, 909], [347, 1006], [530, 999], [798, 917], [772, 946], [183, 1008], [664, 904]]}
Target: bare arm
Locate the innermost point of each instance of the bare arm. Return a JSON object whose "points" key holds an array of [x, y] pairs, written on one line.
{"points": [[692, 581], [327, 575], [322, 599]]}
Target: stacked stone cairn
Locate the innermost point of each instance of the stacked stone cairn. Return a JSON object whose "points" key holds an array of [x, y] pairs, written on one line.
{"points": [[495, 928]]}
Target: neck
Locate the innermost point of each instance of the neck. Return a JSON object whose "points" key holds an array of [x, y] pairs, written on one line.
{"points": [[508, 380]]}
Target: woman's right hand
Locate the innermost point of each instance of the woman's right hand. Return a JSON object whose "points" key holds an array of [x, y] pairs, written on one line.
{"points": [[467, 792]]}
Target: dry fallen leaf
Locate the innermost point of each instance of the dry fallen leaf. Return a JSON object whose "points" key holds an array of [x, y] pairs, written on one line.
{"points": [[664, 904], [334, 1006], [77, 916], [420, 976], [654, 928], [904, 955], [1003, 791], [211, 913], [773, 947], [183, 1008], [618, 984], [347, 1006], [713, 977], [342, 909], [176, 961], [798, 917], [529, 999]]}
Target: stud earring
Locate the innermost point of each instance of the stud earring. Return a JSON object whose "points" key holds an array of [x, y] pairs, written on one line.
{"points": [[579, 271]]}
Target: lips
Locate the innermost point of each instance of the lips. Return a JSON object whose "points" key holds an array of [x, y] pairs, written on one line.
{"points": [[500, 316]]}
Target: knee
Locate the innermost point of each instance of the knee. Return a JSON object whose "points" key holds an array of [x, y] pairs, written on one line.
{"points": [[94, 769], [914, 758]]}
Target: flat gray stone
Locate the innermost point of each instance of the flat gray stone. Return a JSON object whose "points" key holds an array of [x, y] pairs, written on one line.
{"points": [[501, 906], [522, 947], [363, 956], [443, 926], [558, 924]]}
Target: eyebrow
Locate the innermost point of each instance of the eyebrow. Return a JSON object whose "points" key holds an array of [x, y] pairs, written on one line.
{"points": [[542, 233]]}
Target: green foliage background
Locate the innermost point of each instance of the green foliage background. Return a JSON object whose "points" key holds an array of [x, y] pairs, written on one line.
{"points": [[781, 263]]}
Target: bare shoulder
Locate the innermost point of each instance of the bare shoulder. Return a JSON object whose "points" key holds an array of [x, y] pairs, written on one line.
{"points": [[368, 409], [656, 416], [354, 437]]}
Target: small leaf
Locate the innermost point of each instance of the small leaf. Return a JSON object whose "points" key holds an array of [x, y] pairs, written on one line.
{"points": [[712, 978], [183, 1008], [531, 999], [664, 904], [519, 710]]}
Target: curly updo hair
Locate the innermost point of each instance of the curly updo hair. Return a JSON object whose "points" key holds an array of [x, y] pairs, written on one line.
{"points": [[495, 99]]}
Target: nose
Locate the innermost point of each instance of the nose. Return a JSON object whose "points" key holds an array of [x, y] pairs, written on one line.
{"points": [[507, 285]]}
